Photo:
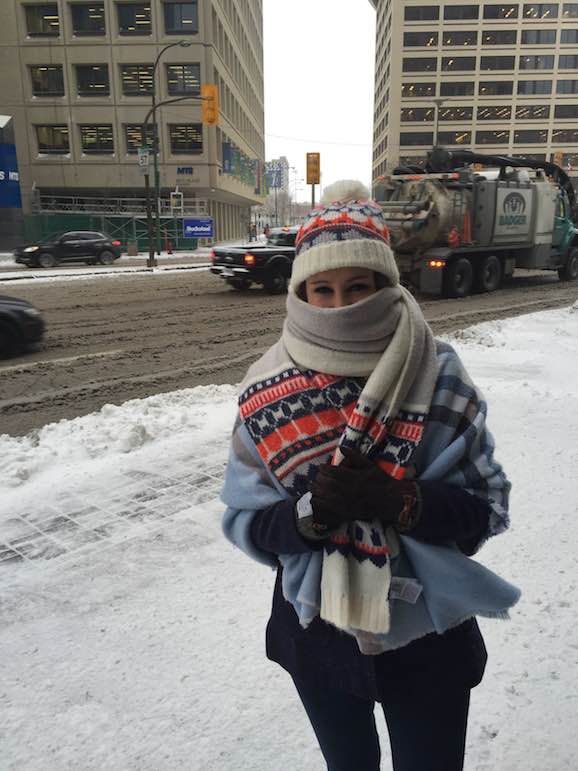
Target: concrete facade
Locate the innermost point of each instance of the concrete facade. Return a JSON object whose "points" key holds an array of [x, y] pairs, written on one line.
{"points": [[95, 60], [507, 74]]}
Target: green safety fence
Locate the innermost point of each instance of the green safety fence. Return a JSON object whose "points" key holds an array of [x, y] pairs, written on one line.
{"points": [[128, 230]]}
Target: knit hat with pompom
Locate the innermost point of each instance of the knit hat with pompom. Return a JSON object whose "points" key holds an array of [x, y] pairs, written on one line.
{"points": [[349, 230]]}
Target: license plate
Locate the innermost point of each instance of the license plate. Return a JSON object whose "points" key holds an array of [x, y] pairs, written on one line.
{"points": [[227, 273]]}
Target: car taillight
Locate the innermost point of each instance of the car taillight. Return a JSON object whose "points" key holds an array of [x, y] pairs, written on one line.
{"points": [[116, 243], [249, 259], [436, 264], [212, 256]]}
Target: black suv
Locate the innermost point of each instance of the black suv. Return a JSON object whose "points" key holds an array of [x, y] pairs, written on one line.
{"points": [[75, 246], [267, 263], [20, 325]]}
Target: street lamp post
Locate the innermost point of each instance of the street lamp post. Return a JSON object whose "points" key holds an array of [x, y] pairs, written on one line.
{"points": [[438, 103], [156, 146]]}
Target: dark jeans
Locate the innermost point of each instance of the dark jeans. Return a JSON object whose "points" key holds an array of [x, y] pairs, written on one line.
{"points": [[426, 725]]}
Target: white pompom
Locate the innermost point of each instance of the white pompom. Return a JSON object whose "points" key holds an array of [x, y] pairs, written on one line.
{"points": [[345, 190]]}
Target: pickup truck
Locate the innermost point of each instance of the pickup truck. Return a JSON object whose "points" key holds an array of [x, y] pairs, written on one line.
{"points": [[268, 263]]}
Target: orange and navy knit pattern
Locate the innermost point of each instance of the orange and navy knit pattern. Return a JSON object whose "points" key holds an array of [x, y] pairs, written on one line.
{"points": [[350, 221]]}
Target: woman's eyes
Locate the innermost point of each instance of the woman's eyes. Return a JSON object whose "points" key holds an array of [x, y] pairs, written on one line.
{"points": [[323, 290], [358, 287], [353, 288]]}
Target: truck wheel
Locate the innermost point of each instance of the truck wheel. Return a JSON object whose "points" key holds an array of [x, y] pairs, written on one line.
{"points": [[570, 271], [489, 276], [459, 278], [276, 281]]}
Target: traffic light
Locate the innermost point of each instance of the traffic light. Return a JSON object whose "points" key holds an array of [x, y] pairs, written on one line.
{"points": [[210, 110]]}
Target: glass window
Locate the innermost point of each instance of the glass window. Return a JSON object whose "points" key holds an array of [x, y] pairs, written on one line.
{"points": [[457, 89], [423, 64], [540, 11], [492, 137], [181, 18], [531, 156], [187, 138], [569, 36], [506, 11], [136, 79], [456, 114], [495, 87], [458, 63], [566, 111], [541, 36], [42, 20], [495, 112], [565, 136], [417, 114], [497, 63], [184, 78], [97, 139], [409, 138], [52, 139], [133, 136], [422, 13], [134, 18], [461, 12], [567, 87], [88, 18], [534, 87], [568, 62], [570, 11], [532, 112], [416, 90], [423, 39], [47, 80], [536, 62], [455, 137], [499, 37], [92, 79], [460, 38], [531, 137]]}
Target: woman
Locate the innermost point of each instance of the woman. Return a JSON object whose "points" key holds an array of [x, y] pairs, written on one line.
{"points": [[362, 471]]}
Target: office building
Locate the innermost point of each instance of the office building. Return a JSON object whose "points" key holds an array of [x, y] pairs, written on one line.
{"points": [[77, 78], [494, 77]]}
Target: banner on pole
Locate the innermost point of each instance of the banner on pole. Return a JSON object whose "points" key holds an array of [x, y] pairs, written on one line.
{"points": [[198, 228]]}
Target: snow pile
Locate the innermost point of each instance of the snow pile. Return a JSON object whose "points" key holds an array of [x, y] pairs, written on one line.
{"points": [[149, 654], [114, 430]]}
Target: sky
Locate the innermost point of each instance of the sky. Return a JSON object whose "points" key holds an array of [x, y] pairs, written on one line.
{"points": [[319, 75]]}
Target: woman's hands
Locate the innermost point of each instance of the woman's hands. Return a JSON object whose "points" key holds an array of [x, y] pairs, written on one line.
{"points": [[358, 489]]}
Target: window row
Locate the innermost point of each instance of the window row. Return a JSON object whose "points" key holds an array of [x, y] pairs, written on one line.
{"points": [[132, 18], [488, 88], [497, 137], [98, 139], [491, 37], [568, 159], [136, 79], [490, 63], [504, 11], [456, 114]]}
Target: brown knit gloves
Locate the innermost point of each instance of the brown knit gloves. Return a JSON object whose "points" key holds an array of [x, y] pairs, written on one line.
{"points": [[359, 489]]}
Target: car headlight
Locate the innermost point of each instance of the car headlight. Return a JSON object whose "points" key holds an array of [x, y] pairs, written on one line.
{"points": [[31, 312], [32, 248]]}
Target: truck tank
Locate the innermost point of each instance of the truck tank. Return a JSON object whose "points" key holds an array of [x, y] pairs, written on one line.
{"points": [[423, 212]]}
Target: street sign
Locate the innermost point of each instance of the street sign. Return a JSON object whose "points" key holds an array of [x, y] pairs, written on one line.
{"points": [[143, 159], [198, 228], [313, 168]]}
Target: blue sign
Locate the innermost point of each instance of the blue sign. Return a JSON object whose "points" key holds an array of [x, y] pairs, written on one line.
{"points": [[198, 228], [9, 178]]}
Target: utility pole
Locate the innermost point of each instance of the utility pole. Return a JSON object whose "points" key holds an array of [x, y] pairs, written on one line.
{"points": [[438, 103]]}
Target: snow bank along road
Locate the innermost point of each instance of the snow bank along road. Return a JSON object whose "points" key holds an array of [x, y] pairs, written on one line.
{"points": [[122, 337]]}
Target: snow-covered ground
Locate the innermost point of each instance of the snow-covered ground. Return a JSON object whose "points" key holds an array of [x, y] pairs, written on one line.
{"points": [[132, 634]]}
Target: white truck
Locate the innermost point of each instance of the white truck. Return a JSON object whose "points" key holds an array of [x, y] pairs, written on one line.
{"points": [[457, 227]]}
